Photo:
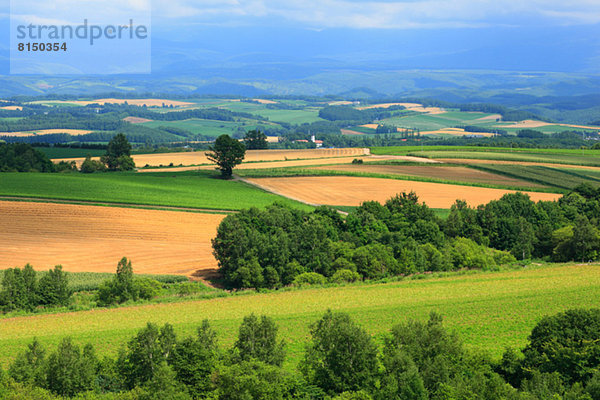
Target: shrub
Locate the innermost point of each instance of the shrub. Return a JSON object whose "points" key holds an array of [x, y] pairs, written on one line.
{"points": [[124, 286], [53, 288], [345, 275], [90, 166], [309, 278]]}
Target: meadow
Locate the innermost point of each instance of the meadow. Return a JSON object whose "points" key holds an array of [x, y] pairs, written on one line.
{"points": [[489, 310], [203, 126], [200, 189]]}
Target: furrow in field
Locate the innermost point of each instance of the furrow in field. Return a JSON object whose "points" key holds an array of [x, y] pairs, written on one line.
{"points": [[94, 239], [352, 191]]}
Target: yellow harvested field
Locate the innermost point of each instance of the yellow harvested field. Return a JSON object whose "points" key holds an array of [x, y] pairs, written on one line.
{"points": [[529, 123], [136, 120], [133, 102], [409, 106], [581, 126], [11, 108], [198, 157], [273, 139], [492, 117], [370, 126], [457, 174], [263, 101], [352, 191], [456, 132], [289, 163], [73, 132], [340, 103], [95, 238]]}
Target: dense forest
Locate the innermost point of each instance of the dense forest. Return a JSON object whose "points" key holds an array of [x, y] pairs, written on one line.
{"points": [[417, 360], [281, 246], [21, 157]]}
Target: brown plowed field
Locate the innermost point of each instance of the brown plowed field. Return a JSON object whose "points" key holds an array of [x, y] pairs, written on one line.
{"points": [[478, 161], [94, 239], [198, 157], [351, 191], [409, 106], [350, 132], [456, 132], [136, 120], [73, 132], [459, 174]]}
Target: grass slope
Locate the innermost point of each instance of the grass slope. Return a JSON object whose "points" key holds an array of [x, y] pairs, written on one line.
{"points": [[183, 189], [488, 310]]}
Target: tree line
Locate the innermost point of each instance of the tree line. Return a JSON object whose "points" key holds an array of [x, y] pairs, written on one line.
{"points": [[21, 157], [417, 361], [23, 289], [280, 246]]}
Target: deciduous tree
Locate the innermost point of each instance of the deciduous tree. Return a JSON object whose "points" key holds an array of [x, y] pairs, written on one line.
{"points": [[226, 153]]}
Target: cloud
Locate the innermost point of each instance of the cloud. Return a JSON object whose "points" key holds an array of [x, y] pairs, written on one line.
{"points": [[75, 11], [383, 14]]}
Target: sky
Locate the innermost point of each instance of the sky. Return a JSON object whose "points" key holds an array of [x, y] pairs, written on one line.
{"points": [[547, 35], [392, 15]]}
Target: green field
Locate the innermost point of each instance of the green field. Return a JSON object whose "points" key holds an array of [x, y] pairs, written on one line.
{"points": [[305, 114], [182, 189], [450, 119], [79, 281], [204, 126], [490, 311], [291, 116], [432, 122]]}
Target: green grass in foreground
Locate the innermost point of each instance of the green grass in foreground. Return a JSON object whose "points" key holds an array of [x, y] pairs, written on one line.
{"points": [[182, 189], [488, 310]]}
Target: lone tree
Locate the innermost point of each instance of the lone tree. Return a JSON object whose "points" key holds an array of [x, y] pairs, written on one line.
{"points": [[256, 140], [118, 154], [226, 153]]}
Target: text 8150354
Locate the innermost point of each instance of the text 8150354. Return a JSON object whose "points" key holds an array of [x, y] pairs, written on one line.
{"points": [[39, 47]]}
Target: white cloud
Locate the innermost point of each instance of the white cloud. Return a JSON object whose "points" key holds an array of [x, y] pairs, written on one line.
{"points": [[384, 14]]}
